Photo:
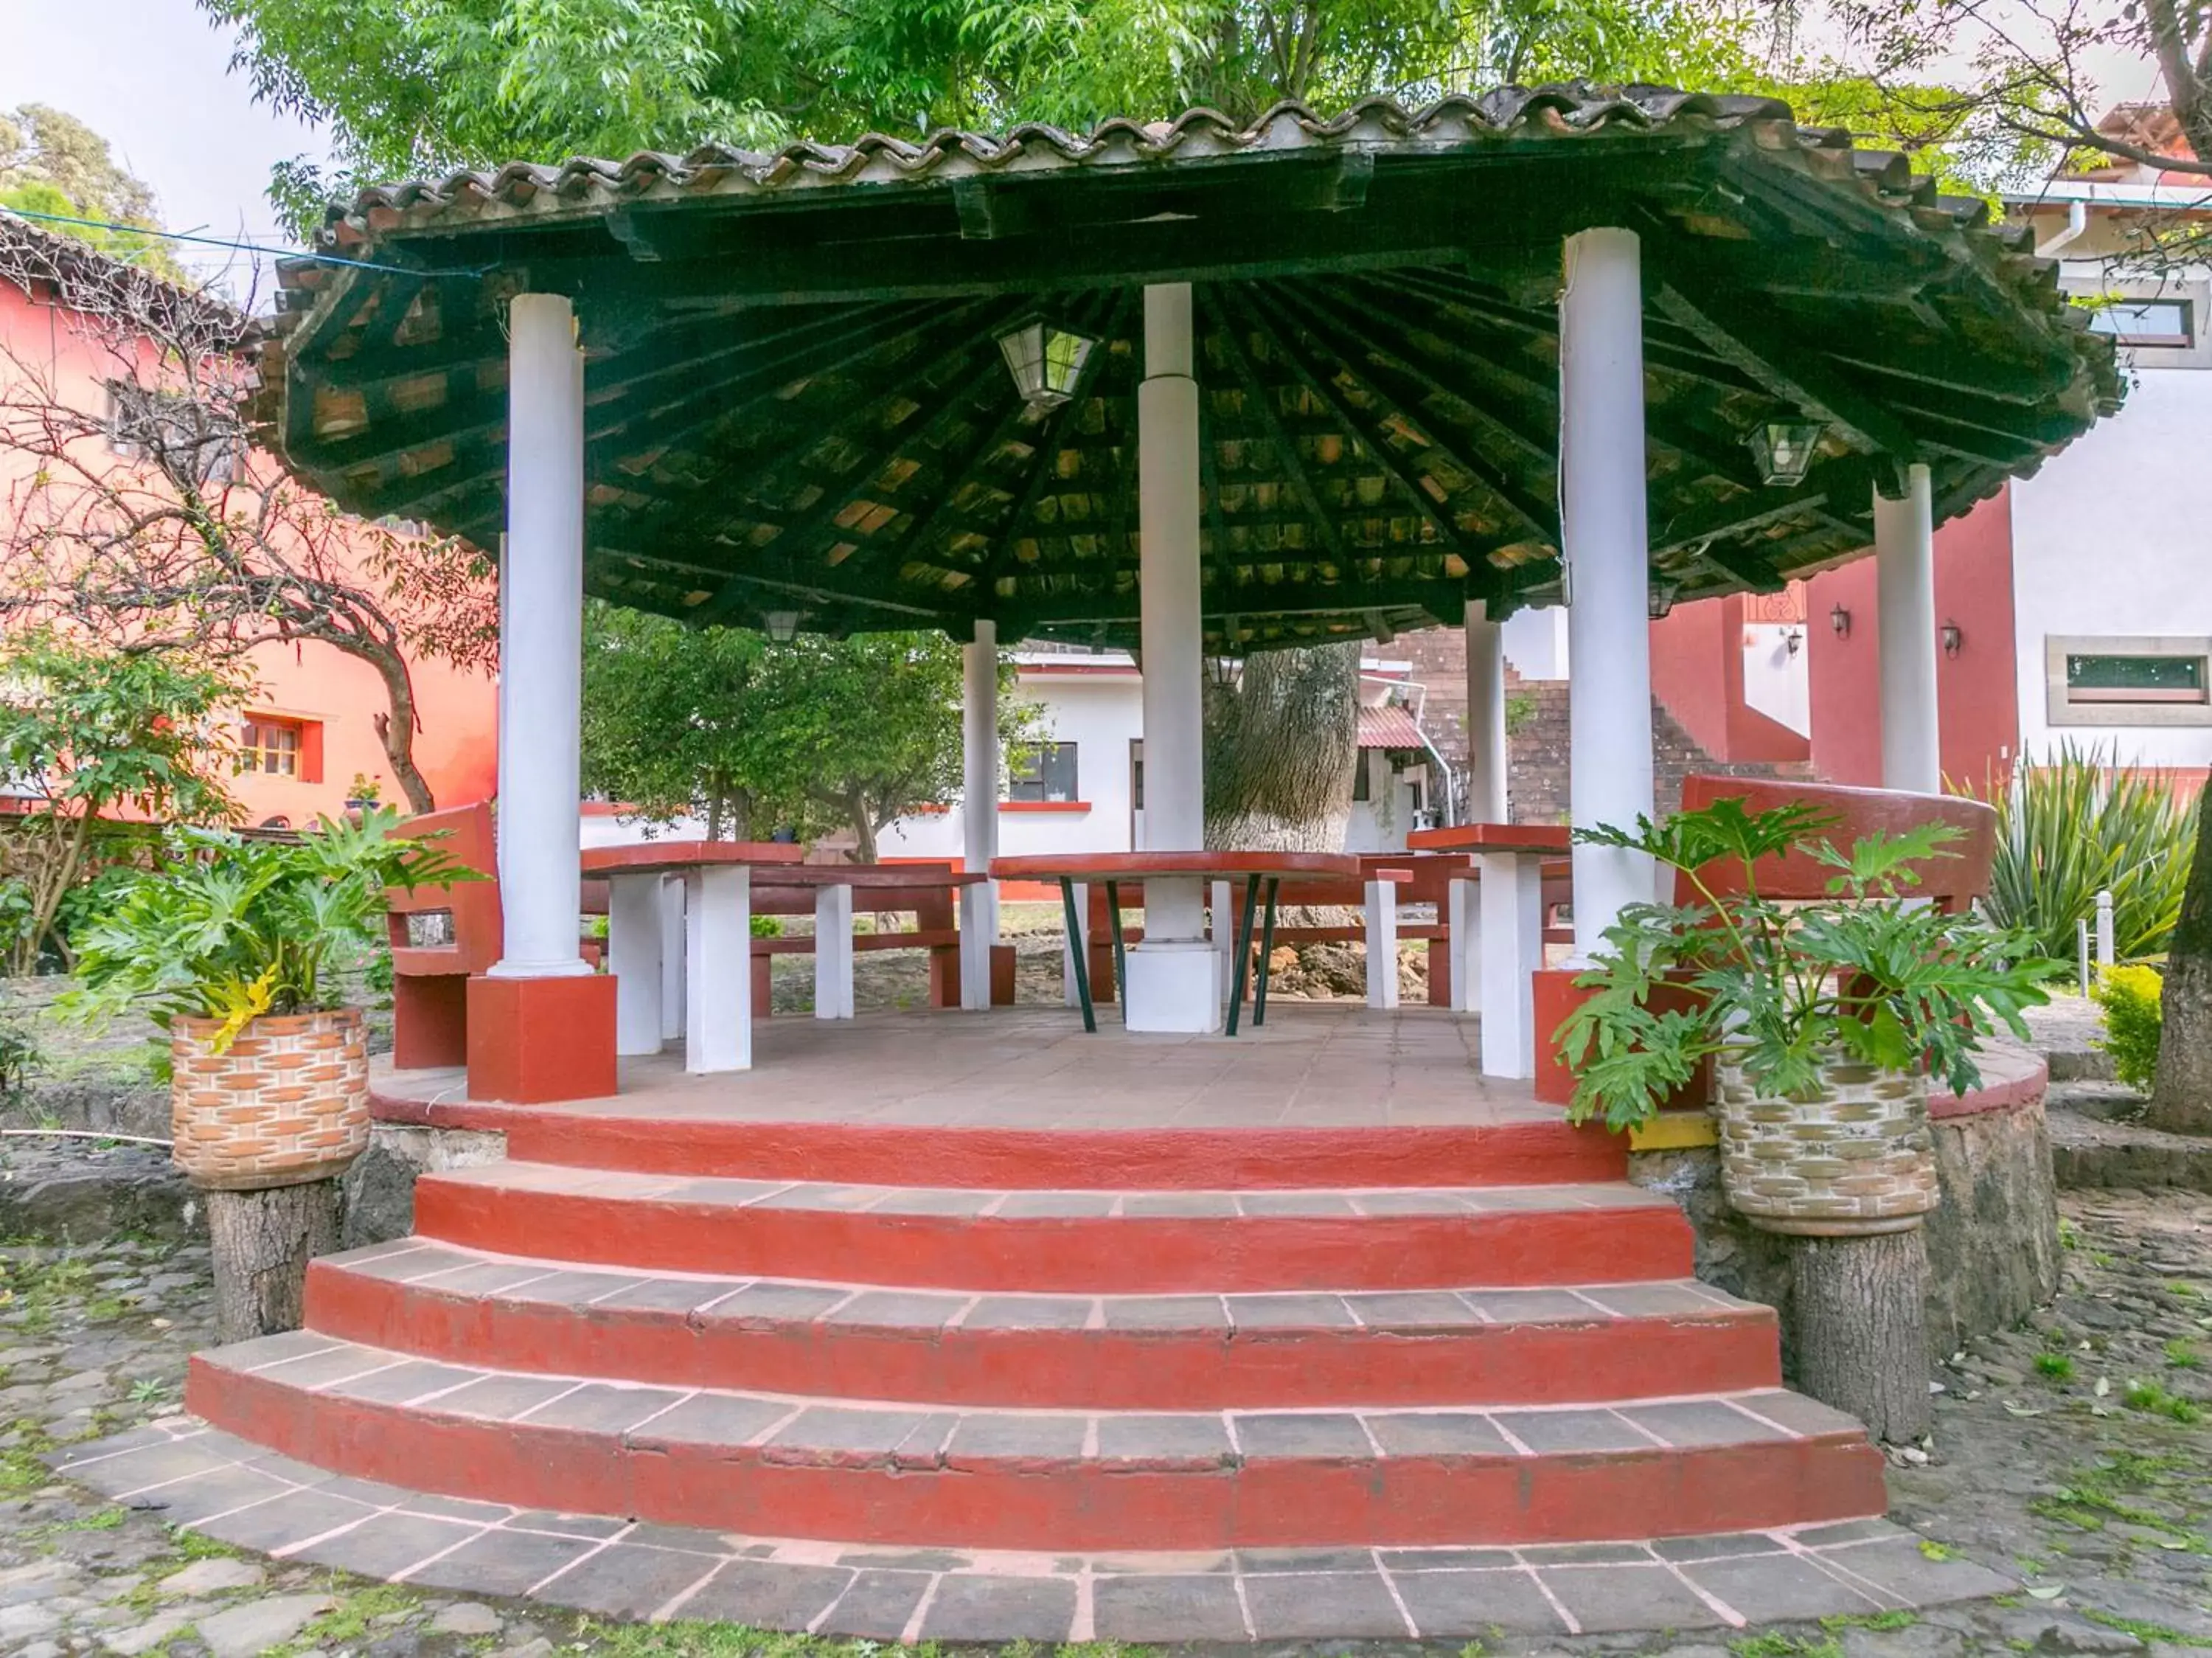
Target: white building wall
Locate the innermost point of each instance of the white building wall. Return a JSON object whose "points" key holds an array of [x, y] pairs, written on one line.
{"points": [[1535, 642], [1778, 680], [2112, 539]]}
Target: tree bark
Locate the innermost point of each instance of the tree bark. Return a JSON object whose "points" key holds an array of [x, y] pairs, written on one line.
{"points": [[397, 727], [262, 1243], [1861, 1322], [2181, 1096], [1280, 744]]}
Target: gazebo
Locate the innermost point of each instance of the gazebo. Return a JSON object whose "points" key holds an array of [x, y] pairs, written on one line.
{"points": [[926, 1343]]}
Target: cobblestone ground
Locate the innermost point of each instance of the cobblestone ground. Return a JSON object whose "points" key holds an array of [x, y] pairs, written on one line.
{"points": [[2071, 1454]]}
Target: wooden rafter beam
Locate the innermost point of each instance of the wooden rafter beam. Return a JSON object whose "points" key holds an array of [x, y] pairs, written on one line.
{"points": [[1263, 400]]}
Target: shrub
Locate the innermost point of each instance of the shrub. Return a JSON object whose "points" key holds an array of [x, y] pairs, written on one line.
{"points": [[2129, 997], [2071, 827]]}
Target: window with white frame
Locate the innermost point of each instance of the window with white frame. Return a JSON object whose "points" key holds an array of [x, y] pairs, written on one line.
{"points": [[2166, 323], [2128, 679]]}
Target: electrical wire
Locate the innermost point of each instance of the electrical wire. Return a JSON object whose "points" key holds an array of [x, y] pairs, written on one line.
{"points": [[238, 246]]}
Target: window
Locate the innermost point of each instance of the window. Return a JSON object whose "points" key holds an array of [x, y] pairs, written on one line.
{"points": [[2162, 322], [272, 745], [2097, 677], [2130, 681], [1048, 776], [175, 431]]}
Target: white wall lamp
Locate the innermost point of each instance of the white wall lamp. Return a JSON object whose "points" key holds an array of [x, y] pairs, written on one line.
{"points": [[1839, 622], [1953, 638]]}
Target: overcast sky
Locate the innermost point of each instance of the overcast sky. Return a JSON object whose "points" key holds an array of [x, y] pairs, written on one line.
{"points": [[152, 77]]}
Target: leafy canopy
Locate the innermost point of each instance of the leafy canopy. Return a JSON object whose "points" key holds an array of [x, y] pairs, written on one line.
{"points": [[53, 163], [230, 929], [1868, 970]]}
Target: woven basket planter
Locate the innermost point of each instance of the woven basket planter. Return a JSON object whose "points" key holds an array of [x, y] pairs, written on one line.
{"points": [[287, 1102], [1853, 1159]]}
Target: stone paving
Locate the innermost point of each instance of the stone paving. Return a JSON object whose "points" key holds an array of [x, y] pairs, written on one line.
{"points": [[2071, 1456]]}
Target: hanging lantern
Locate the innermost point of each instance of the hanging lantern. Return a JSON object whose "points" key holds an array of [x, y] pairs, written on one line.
{"points": [[1046, 362], [780, 625], [1785, 450]]}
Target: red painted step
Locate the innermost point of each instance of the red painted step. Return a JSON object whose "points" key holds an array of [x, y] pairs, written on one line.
{"points": [[913, 1475], [1086, 1243], [606, 1135], [1185, 1353]]}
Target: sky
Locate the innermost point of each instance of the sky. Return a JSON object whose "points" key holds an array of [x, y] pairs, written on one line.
{"points": [[152, 77]]}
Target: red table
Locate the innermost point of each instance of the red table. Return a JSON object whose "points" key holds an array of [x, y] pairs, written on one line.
{"points": [[717, 926], [1497, 957], [1258, 870]]}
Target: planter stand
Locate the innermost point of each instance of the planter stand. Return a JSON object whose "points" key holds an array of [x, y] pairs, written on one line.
{"points": [[1848, 1175], [262, 1242], [265, 1129]]}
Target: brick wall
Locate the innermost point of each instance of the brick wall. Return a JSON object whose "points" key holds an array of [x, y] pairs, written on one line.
{"points": [[1536, 720]]}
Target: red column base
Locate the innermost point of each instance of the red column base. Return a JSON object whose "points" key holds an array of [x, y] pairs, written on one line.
{"points": [[532, 1041], [1002, 975], [429, 1020], [1557, 997]]}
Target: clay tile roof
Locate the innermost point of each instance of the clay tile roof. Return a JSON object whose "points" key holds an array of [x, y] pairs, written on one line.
{"points": [[1391, 726]]}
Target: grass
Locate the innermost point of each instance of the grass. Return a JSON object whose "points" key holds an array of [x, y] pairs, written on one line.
{"points": [[1931, 1550], [349, 1619], [21, 1467], [2104, 1492], [2145, 1632], [2056, 1367], [701, 1640], [2181, 1355], [2155, 1400], [1897, 1618], [1776, 1644]]}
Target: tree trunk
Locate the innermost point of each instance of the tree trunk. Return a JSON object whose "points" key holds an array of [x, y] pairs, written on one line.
{"points": [[1861, 1323], [397, 728], [262, 1243], [1280, 744], [864, 829], [2181, 1098]]}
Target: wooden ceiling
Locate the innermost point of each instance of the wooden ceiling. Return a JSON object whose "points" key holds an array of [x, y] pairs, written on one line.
{"points": [[796, 400]]}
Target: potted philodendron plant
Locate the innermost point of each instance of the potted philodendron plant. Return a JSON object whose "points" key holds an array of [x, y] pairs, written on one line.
{"points": [[244, 952], [1823, 1021]]}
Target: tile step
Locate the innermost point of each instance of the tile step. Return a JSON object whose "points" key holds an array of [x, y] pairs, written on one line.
{"points": [[919, 1474], [1463, 1347], [1063, 1241], [617, 1567]]}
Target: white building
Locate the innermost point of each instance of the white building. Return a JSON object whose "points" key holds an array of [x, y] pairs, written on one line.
{"points": [[2112, 539], [1082, 790]]}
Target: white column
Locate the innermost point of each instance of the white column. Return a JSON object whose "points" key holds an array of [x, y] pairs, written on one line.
{"points": [[833, 952], [1486, 749], [1904, 604], [1382, 945], [979, 810], [718, 974], [1513, 950], [1463, 903], [1221, 911], [672, 957], [541, 644], [634, 952], [1171, 973], [1602, 522]]}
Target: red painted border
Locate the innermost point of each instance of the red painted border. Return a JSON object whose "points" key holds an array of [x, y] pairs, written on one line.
{"points": [[1038, 1503], [1322, 1367], [1016, 1160], [1082, 1255], [2006, 1094]]}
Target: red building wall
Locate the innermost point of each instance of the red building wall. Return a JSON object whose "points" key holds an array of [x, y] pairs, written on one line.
{"points": [[1977, 691], [1697, 670]]}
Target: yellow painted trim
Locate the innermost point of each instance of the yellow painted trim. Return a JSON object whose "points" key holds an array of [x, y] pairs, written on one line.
{"points": [[1673, 1131]]}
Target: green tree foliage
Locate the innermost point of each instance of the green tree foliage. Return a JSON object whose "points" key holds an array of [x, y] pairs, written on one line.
{"points": [[408, 86], [812, 736], [87, 733], [53, 163]]}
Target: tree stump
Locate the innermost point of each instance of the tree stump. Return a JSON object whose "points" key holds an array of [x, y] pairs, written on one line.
{"points": [[262, 1242], [1860, 1321]]}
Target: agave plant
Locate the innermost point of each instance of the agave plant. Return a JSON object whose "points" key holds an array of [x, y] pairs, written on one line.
{"points": [[230, 929], [2071, 827]]}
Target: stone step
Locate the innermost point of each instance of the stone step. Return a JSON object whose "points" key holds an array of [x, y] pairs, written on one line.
{"points": [[932, 1476], [1076, 1155], [1081, 1242], [608, 1567], [1600, 1342]]}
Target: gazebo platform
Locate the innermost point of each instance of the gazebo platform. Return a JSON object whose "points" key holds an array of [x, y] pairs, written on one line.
{"points": [[971, 1326]]}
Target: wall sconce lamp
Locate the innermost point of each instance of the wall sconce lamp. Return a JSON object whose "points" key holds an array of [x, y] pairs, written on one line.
{"points": [[1953, 638], [1839, 621], [1661, 598], [1794, 641]]}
